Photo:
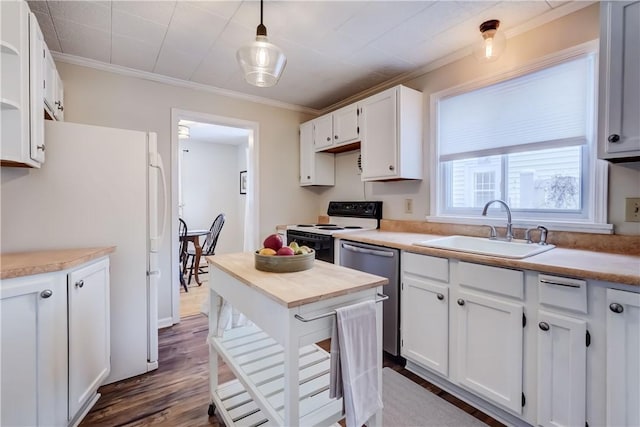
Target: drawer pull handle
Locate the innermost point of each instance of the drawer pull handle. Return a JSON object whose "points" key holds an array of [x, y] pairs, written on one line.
{"points": [[616, 308], [460, 302], [440, 296], [79, 283], [568, 285], [46, 293], [544, 326]]}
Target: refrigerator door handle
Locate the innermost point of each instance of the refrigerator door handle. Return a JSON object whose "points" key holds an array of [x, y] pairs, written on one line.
{"points": [[165, 203]]}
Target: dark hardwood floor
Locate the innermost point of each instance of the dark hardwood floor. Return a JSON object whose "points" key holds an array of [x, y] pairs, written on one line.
{"points": [[177, 393]]}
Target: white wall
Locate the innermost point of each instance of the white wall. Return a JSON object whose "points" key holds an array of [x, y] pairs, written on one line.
{"points": [[571, 30], [210, 185]]}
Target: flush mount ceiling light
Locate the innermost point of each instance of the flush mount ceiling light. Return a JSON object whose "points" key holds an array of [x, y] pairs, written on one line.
{"points": [[183, 132], [493, 42], [262, 62]]}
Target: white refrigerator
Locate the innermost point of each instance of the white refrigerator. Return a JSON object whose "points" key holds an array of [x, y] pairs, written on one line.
{"points": [[99, 187]]}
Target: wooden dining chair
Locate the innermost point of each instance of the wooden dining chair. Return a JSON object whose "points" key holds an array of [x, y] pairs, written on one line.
{"points": [[208, 247], [182, 259]]}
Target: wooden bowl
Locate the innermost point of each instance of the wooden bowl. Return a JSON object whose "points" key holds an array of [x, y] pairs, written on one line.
{"points": [[284, 264]]}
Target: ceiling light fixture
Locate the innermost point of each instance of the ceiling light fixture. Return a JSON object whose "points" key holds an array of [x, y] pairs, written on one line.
{"points": [[183, 132], [493, 41], [262, 62]]}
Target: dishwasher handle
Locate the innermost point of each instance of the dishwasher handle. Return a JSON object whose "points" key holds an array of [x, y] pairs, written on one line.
{"points": [[387, 254]]}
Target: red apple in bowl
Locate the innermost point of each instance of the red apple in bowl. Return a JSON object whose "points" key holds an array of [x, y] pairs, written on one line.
{"points": [[285, 251], [273, 241]]}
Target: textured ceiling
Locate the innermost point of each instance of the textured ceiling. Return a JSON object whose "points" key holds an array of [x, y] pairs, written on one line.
{"points": [[334, 49]]}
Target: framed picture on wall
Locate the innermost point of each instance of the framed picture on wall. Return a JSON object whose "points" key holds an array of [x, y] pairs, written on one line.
{"points": [[243, 182]]}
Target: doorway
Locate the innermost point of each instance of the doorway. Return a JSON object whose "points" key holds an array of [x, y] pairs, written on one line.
{"points": [[214, 170]]}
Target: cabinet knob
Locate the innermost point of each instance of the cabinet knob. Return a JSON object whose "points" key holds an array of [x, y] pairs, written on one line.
{"points": [[59, 104], [440, 297], [460, 302], [308, 177], [335, 136], [544, 326], [616, 308], [614, 137], [41, 147], [79, 283], [46, 293], [391, 167], [328, 138]]}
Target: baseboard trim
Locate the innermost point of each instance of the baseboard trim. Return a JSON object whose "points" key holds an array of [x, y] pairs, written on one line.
{"points": [[165, 322]]}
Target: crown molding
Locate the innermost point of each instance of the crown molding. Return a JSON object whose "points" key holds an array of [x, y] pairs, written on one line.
{"points": [[550, 15], [145, 75]]}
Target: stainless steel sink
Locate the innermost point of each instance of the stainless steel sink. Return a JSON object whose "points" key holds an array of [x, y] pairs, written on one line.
{"points": [[484, 246]]}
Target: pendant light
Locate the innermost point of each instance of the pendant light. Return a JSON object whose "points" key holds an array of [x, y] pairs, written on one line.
{"points": [[262, 62], [493, 42]]}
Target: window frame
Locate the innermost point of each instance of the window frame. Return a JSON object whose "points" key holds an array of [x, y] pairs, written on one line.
{"points": [[593, 187]]}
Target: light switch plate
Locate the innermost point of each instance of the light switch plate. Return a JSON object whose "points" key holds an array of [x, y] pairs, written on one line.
{"points": [[408, 206], [632, 209]]}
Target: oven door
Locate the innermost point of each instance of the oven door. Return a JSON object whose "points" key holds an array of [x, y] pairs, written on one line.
{"points": [[320, 243]]}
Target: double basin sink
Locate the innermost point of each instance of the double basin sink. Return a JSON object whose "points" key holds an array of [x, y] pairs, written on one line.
{"points": [[485, 246]]}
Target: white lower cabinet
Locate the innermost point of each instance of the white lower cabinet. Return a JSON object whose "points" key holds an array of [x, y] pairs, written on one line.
{"points": [[562, 370], [489, 348], [425, 323], [623, 358], [34, 351], [88, 306], [55, 344]]}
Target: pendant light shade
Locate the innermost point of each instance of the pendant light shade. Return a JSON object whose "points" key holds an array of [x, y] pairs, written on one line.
{"points": [[262, 62], [492, 43]]}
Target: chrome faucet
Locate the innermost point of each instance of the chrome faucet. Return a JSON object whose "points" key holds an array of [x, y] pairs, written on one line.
{"points": [[509, 235]]}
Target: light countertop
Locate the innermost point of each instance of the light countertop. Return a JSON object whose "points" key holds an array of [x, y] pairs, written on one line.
{"points": [[18, 264], [322, 281], [583, 264]]}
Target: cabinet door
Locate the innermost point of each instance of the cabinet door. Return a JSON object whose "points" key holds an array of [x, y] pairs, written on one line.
{"points": [[379, 147], [489, 347], [306, 153], [620, 79], [50, 77], [345, 125], [36, 88], [89, 339], [60, 98], [623, 356], [323, 132], [425, 323], [34, 351], [562, 370]]}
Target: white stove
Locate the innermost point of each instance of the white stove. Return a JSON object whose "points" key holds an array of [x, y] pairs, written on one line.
{"points": [[337, 224], [344, 217]]}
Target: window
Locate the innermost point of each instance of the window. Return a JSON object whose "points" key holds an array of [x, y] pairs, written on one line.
{"points": [[528, 140]]}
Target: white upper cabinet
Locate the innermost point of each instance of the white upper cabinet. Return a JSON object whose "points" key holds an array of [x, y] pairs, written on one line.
{"points": [[53, 89], [315, 168], [345, 125], [22, 132], [322, 132], [619, 109], [391, 129]]}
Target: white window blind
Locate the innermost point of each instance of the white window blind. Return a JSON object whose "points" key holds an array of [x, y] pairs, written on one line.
{"points": [[549, 108]]}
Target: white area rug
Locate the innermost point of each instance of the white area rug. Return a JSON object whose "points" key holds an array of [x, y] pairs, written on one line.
{"points": [[406, 404]]}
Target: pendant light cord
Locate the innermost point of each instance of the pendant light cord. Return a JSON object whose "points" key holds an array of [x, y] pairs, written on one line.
{"points": [[261, 30], [260, 12]]}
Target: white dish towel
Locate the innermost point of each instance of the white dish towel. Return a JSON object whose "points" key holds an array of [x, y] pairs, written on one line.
{"points": [[354, 362]]}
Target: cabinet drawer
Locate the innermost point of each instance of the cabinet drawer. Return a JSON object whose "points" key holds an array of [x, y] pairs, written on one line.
{"points": [[426, 266], [493, 279], [562, 292]]}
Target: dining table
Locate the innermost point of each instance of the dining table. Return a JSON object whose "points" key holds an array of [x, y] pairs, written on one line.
{"points": [[194, 237]]}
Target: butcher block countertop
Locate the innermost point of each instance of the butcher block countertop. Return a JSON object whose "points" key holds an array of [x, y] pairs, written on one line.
{"points": [[18, 264], [577, 263], [322, 281]]}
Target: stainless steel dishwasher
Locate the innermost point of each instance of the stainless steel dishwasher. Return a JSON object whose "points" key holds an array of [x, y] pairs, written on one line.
{"points": [[383, 262]]}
